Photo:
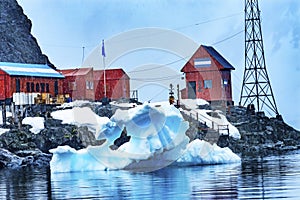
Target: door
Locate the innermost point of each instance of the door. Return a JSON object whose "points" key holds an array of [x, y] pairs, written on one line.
{"points": [[192, 90]]}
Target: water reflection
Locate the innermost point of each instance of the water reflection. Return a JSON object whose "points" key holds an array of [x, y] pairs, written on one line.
{"points": [[25, 183], [256, 178], [182, 183]]}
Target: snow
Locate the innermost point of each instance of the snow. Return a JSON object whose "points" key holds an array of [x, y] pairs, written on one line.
{"points": [[3, 130], [217, 121], [193, 103], [8, 114], [76, 103], [158, 139], [37, 123], [82, 117]]}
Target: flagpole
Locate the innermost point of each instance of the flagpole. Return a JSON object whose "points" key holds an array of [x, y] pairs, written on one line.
{"points": [[104, 74]]}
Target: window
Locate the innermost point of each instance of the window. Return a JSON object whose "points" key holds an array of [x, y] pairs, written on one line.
{"points": [[72, 85], [42, 87], [225, 82], [47, 87], [32, 87], [28, 87], [89, 85], [207, 84], [18, 85], [37, 87]]}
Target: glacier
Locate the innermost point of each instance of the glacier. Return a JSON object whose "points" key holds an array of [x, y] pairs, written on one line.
{"points": [[157, 139]]}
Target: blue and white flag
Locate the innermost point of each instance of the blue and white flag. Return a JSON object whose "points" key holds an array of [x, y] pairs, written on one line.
{"points": [[103, 50]]}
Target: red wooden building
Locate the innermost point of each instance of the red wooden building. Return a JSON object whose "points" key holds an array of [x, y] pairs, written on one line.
{"points": [[79, 83], [117, 84], [28, 78], [208, 76]]}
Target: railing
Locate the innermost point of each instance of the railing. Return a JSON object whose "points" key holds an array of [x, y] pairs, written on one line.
{"points": [[215, 126]]}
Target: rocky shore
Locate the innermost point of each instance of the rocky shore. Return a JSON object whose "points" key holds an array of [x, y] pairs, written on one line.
{"points": [[260, 135], [19, 147]]}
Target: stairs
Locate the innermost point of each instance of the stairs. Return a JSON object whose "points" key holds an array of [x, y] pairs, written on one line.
{"points": [[212, 136]]}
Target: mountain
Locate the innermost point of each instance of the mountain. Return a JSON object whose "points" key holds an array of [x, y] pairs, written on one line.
{"points": [[17, 44]]}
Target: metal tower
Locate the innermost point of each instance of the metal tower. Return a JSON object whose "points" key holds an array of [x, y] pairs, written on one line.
{"points": [[256, 88]]}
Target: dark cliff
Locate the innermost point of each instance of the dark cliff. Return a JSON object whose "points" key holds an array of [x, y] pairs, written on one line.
{"points": [[17, 44]]}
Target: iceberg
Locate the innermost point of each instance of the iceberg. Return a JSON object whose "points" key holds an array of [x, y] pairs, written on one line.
{"points": [[157, 139]]}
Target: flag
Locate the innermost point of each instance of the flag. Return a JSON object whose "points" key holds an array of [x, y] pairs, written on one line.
{"points": [[103, 50]]}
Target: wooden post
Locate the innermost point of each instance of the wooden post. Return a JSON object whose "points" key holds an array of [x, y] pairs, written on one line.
{"points": [[12, 109], [4, 114]]}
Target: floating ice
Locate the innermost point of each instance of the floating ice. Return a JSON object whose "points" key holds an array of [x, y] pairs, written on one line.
{"points": [[157, 134]]}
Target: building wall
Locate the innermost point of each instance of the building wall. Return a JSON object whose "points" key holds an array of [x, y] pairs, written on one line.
{"points": [[117, 84], [78, 88], [8, 85]]}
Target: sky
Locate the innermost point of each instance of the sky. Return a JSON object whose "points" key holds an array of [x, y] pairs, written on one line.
{"points": [[69, 31]]}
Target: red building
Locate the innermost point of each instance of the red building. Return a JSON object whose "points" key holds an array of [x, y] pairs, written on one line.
{"points": [[79, 83], [28, 78], [117, 84], [208, 76]]}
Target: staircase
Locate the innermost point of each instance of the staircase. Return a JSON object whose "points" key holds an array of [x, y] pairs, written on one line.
{"points": [[203, 132]]}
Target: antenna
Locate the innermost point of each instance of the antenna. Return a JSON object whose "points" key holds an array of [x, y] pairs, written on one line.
{"points": [[82, 56], [256, 88]]}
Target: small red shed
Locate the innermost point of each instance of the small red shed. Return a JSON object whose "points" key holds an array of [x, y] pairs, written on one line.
{"points": [[79, 83], [208, 76], [117, 84], [28, 78]]}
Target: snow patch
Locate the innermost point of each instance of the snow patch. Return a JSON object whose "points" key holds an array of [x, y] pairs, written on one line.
{"points": [[37, 123], [3, 130]]}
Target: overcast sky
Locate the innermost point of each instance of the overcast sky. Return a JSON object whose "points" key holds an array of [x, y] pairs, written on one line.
{"points": [[63, 27]]}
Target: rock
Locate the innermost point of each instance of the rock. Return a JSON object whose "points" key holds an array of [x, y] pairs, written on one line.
{"points": [[261, 135], [9, 160], [23, 159], [53, 137], [16, 42], [269, 128]]}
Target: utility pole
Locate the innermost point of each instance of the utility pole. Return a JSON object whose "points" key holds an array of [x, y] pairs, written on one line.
{"points": [[256, 89]]}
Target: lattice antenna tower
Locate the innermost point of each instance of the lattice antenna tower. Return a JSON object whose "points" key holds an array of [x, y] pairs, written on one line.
{"points": [[256, 88]]}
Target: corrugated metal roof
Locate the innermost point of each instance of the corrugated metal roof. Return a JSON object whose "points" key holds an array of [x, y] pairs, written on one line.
{"points": [[218, 57], [35, 70]]}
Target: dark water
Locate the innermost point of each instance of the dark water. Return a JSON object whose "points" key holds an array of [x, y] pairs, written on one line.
{"points": [[269, 178]]}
